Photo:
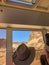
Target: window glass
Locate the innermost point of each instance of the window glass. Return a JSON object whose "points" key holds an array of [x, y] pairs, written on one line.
{"points": [[31, 39], [28, 2], [20, 36]]}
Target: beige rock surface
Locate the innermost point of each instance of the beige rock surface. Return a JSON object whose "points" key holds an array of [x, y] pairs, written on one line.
{"points": [[2, 56]]}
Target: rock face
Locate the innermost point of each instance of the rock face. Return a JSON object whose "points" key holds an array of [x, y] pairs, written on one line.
{"points": [[2, 43], [36, 40], [2, 51]]}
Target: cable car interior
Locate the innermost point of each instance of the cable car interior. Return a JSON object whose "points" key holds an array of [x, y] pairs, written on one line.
{"points": [[24, 18]]}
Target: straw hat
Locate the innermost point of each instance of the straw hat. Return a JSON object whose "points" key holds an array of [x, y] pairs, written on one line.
{"points": [[24, 55], [47, 41]]}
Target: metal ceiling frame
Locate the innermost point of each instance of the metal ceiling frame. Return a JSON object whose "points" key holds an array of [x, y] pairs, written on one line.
{"points": [[36, 7]]}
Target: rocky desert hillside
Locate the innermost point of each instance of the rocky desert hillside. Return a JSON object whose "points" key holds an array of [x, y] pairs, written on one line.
{"points": [[36, 40], [2, 43], [2, 52]]}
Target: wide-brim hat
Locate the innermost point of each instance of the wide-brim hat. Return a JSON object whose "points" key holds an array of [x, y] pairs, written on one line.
{"points": [[24, 55], [47, 41]]}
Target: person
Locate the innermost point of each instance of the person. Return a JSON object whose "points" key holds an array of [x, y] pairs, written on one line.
{"points": [[47, 46], [45, 58], [24, 55]]}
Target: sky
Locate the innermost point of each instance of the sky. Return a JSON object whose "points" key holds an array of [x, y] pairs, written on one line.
{"points": [[2, 33], [17, 35]]}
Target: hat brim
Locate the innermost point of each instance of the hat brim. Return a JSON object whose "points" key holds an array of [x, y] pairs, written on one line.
{"points": [[27, 61]]}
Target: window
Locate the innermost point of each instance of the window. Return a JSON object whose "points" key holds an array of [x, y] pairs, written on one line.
{"points": [[28, 2], [2, 47], [19, 36], [30, 38]]}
